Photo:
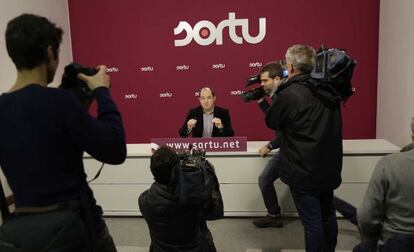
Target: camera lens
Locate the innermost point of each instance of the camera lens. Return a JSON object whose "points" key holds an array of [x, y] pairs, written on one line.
{"points": [[254, 94]]}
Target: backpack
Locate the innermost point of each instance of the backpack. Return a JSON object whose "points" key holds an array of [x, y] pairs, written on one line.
{"points": [[335, 68]]}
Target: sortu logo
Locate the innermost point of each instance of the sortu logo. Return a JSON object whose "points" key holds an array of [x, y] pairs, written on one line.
{"points": [[205, 32]]}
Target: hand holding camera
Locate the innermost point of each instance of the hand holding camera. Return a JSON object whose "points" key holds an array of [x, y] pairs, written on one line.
{"points": [[100, 79], [82, 80]]}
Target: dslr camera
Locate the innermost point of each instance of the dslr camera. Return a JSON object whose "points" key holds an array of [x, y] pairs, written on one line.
{"points": [[70, 81]]}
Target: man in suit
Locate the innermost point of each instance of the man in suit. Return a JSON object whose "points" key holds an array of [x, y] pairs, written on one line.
{"points": [[207, 120]]}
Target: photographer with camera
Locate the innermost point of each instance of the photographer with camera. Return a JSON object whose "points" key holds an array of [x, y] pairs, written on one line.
{"points": [[184, 195], [271, 76], [207, 120], [309, 118], [43, 135]]}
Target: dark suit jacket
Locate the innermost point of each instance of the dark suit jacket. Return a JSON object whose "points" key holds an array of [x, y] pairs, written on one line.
{"points": [[197, 113]]}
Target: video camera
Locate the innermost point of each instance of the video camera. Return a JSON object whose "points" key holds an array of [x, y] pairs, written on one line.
{"points": [[255, 93], [70, 81], [190, 159], [258, 92], [334, 69], [193, 178]]}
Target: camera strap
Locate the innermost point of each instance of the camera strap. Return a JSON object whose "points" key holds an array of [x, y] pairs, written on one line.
{"points": [[97, 174]]}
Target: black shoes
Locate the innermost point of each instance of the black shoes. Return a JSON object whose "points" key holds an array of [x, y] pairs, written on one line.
{"points": [[268, 221]]}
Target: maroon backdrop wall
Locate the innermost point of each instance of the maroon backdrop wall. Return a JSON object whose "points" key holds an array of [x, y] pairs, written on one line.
{"points": [[154, 82]]}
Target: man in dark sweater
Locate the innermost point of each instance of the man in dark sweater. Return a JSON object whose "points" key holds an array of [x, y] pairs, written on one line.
{"points": [[43, 135]]}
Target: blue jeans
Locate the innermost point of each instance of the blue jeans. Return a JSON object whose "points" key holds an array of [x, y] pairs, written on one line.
{"points": [[318, 219], [266, 179]]}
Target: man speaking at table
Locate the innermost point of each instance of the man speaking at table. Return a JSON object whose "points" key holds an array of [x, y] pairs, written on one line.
{"points": [[207, 120]]}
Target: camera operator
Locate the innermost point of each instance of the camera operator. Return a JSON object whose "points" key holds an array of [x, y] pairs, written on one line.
{"points": [[309, 118], [43, 134], [175, 226], [270, 78]]}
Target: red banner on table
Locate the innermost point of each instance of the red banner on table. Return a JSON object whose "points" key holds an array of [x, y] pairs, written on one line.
{"points": [[216, 144]]}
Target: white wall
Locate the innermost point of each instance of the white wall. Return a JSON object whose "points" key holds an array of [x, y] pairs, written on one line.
{"points": [[55, 10], [395, 103]]}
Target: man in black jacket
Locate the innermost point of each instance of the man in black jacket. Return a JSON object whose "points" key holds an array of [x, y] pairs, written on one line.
{"points": [[308, 114], [175, 226], [207, 120]]}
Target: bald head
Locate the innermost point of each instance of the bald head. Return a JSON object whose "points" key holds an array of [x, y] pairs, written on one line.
{"points": [[207, 99], [207, 89]]}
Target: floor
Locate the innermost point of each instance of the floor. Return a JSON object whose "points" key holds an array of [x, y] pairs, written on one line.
{"points": [[233, 235]]}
